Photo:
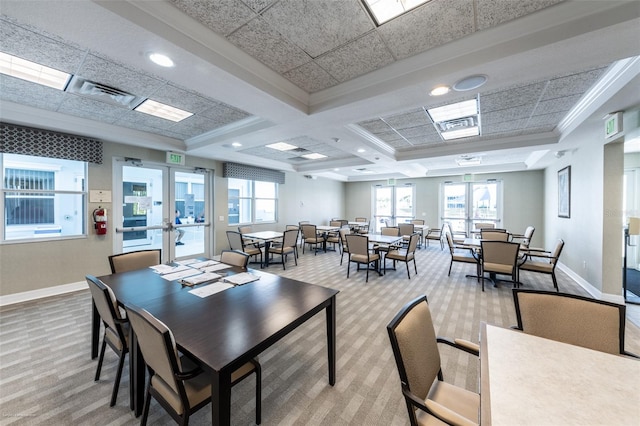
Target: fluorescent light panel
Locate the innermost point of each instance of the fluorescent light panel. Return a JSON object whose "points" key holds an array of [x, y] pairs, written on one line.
{"points": [[385, 10], [33, 72], [314, 156], [281, 146], [453, 111], [161, 110], [461, 133]]}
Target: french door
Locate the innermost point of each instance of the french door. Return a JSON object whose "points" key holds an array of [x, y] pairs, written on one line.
{"points": [[465, 204], [161, 207], [392, 205]]}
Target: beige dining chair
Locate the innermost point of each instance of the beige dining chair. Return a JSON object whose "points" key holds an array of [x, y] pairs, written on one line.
{"points": [[462, 254], [405, 255], [236, 242], [363, 228], [360, 253], [245, 229], [420, 230], [499, 258], [116, 330], [176, 381], [406, 230], [435, 234], [544, 262], [493, 235], [133, 260], [333, 237], [344, 247], [391, 231], [525, 238], [288, 246], [569, 318], [429, 399], [235, 258], [311, 238]]}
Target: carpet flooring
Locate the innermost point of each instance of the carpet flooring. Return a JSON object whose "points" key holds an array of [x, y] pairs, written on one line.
{"points": [[46, 372]]}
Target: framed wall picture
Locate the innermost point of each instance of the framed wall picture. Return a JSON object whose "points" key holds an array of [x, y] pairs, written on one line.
{"points": [[564, 192]]}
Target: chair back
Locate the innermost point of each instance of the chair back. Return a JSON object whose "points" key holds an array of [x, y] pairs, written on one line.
{"points": [[336, 223], [573, 319], [556, 252], [290, 227], [235, 240], [343, 237], [497, 256], [158, 349], [413, 243], [417, 221], [484, 225], [361, 219], [308, 231], [494, 235], [105, 301], [450, 242], [235, 258], [358, 244], [406, 228], [290, 238], [131, 261], [245, 229], [414, 344], [392, 231]]}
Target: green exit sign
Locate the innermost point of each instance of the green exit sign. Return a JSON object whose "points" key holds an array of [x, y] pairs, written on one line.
{"points": [[175, 158], [613, 124]]}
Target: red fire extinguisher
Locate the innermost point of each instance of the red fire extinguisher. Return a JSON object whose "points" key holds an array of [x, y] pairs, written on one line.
{"points": [[100, 220]]}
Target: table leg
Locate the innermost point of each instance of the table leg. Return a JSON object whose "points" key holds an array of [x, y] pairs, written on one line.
{"points": [[221, 398], [95, 330], [267, 246], [331, 339], [136, 372]]}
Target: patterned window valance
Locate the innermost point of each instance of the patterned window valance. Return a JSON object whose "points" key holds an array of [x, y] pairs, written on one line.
{"points": [[45, 143], [242, 171]]}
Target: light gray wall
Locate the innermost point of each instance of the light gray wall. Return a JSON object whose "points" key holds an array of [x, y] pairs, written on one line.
{"points": [[523, 194]]}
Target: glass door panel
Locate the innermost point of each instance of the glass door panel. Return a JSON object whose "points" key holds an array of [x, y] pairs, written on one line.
{"points": [[485, 204], [404, 204], [392, 204], [383, 208], [455, 206], [189, 223]]}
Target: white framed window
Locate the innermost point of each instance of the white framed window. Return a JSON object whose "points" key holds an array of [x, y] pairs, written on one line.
{"points": [[251, 201], [42, 198]]}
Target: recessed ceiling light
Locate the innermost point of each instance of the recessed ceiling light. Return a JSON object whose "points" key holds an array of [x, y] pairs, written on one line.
{"points": [[385, 10], [160, 59], [33, 72], [461, 133], [281, 146], [440, 90], [361, 150], [161, 110], [453, 111], [236, 144], [336, 170], [470, 83], [314, 156]]}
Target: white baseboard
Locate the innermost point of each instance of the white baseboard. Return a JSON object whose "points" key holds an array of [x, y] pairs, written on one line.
{"points": [[596, 293], [11, 299]]}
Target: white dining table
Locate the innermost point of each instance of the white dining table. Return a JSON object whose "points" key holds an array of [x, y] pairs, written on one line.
{"points": [[529, 380]]}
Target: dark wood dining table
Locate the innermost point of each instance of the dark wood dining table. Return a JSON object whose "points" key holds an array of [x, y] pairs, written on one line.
{"points": [[224, 330]]}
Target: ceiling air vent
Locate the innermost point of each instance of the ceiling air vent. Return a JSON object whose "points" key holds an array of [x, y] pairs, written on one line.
{"points": [[458, 123], [103, 93]]}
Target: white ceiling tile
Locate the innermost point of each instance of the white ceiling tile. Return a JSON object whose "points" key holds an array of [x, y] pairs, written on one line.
{"points": [[318, 26], [311, 77], [221, 16], [359, 57], [428, 26], [262, 42], [494, 12]]}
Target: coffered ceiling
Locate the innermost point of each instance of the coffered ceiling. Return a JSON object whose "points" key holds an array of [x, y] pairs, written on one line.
{"points": [[320, 75]]}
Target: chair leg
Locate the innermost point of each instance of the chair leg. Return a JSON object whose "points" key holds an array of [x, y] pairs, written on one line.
{"points": [[555, 282], [415, 267], [116, 384], [145, 410], [101, 358], [348, 265], [408, 274], [367, 279]]}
